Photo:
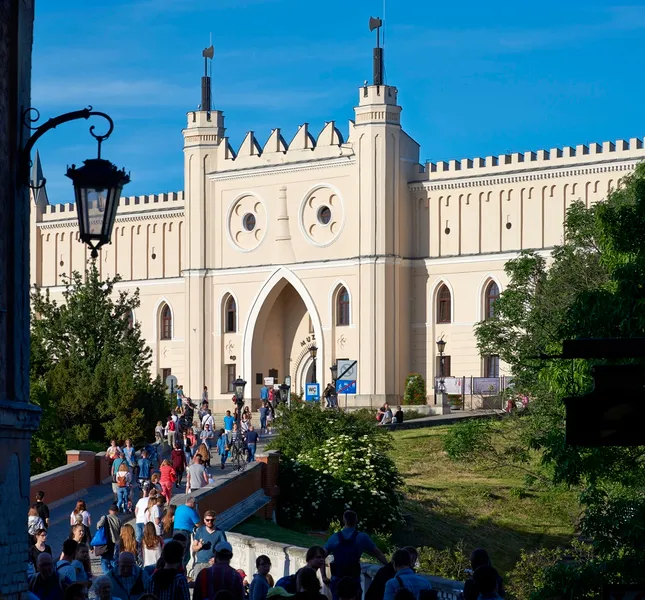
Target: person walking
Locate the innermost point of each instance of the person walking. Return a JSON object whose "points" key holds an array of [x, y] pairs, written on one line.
{"points": [[39, 546], [144, 468], [80, 509], [186, 519], [123, 482], [347, 547], [169, 582], [116, 465], [222, 447], [207, 436], [171, 431], [79, 531], [308, 585], [140, 508], [197, 475], [113, 533], [376, 589], [127, 542], [479, 558], [47, 583], [159, 431], [405, 577], [220, 577], [34, 521], [129, 582], [229, 420], [42, 508], [205, 539], [252, 438], [178, 461], [112, 453], [260, 585], [64, 565], [205, 396], [314, 559], [151, 546], [168, 478]]}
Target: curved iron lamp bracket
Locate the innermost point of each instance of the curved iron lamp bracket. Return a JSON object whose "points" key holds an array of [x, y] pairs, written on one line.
{"points": [[27, 119]]}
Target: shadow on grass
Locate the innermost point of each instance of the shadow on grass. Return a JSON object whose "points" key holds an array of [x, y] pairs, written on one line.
{"points": [[426, 525]]}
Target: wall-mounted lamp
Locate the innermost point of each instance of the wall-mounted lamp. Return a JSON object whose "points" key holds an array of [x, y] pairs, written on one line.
{"points": [[97, 184]]}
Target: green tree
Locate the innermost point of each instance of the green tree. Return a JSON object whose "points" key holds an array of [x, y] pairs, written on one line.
{"points": [[592, 288], [90, 368]]}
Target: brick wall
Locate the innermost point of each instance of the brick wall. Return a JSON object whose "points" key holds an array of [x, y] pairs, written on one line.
{"points": [[83, 470], [271, 461]]}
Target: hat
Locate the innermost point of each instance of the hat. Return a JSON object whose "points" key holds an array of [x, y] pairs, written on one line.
{"points": [[114, 508], [223, 547], [278, 591]]}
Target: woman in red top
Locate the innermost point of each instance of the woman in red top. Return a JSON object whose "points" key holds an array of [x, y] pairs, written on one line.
{"points": [[168, 477], [178, 457]]}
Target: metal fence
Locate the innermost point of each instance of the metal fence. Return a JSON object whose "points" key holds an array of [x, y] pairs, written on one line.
{"points": [[475, 392]]}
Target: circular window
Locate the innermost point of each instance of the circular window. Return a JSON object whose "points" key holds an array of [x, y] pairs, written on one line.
{"points": [[324, 215], [248, 221]]}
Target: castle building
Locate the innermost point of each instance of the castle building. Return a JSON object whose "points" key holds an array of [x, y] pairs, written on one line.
{"points": [[343, 242]]}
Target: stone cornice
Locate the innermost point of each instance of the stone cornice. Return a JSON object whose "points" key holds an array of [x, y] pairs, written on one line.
{"points": [[279, 169], [142, 216], [511, 177]]}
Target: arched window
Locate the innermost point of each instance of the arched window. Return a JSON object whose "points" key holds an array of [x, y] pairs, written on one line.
{"points": [[230, 315], [166, 323], [490, 297], [444, 313], [342, 307], [130, 320]]}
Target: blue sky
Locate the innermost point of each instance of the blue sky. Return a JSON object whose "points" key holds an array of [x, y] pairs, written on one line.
{"points": [[474, 78]]}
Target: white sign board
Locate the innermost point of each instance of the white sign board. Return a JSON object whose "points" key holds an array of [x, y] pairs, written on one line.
{"points": [[351, 374], [171, 383], [269, 381]]}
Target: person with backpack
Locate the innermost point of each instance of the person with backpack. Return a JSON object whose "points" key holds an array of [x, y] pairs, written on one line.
{"points": [[48, 584], [405, 577], [347, 547], [376, 589], [315, 559], [123, 482], [64, 565]]}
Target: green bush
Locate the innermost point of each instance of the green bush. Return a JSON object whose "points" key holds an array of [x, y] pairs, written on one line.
{"points": [[332, 461], [450, 563], [415, 390]]}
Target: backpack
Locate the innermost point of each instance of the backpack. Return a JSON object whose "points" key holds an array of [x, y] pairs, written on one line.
{"points": [[122, 482], [63, 564], [171, 425], [288, 583], [347, 557]]}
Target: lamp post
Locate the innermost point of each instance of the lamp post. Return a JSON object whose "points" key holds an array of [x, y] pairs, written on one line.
{"points": [[287, 382], [313, 352], [334, 373], [97, 184], [284, 392], [238, 386], [441, 347]]}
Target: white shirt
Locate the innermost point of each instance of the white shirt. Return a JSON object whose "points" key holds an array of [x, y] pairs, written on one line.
{"points": [[150, 557], [86, 518], [208, 420], [140, 510], [155, 514]]}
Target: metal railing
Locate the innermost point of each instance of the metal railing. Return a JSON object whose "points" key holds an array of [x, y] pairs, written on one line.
{"points": [[475, 392]]}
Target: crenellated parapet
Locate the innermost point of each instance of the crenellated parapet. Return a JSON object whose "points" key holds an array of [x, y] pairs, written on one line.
{"points": [[516, 161], [127, 205], [329, 143]]}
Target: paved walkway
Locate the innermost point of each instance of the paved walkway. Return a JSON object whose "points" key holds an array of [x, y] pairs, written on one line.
{"points": [[452, 417], [98, 500]]}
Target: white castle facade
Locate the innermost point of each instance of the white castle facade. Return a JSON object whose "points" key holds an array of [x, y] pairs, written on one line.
{"points": [[343, 242]]}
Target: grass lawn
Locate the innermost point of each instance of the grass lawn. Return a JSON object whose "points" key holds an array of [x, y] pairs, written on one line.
{"points": [[449, 501], [256, 527]]}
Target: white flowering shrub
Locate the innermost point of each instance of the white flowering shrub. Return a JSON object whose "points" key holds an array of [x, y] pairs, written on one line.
{"points": [[341, 472]]}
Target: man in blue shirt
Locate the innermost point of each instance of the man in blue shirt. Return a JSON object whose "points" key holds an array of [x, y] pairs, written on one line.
{"points": [[347, 547], [252, 442], [228, 424], [264, 393], [264, 411], [144, 467], [186, 519], [405, 577], [204, 541]]}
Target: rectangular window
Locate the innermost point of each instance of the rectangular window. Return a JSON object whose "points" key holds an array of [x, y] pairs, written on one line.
{"points": [[446, 366], [491, 366], [274, 373], [259, 378], [230, 377]]}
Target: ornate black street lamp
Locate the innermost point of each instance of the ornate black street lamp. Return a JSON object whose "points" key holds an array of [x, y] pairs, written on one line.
{"points": [[238, 386], [97, 184], [284, 393], [313, 352], [441, 346], [334, 373]]}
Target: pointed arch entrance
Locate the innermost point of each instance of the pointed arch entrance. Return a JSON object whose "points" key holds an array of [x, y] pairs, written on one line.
{"points": [[277, 331]]}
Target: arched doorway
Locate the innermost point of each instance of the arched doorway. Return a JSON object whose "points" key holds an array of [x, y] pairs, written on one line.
{"points": [[278, 331]]}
